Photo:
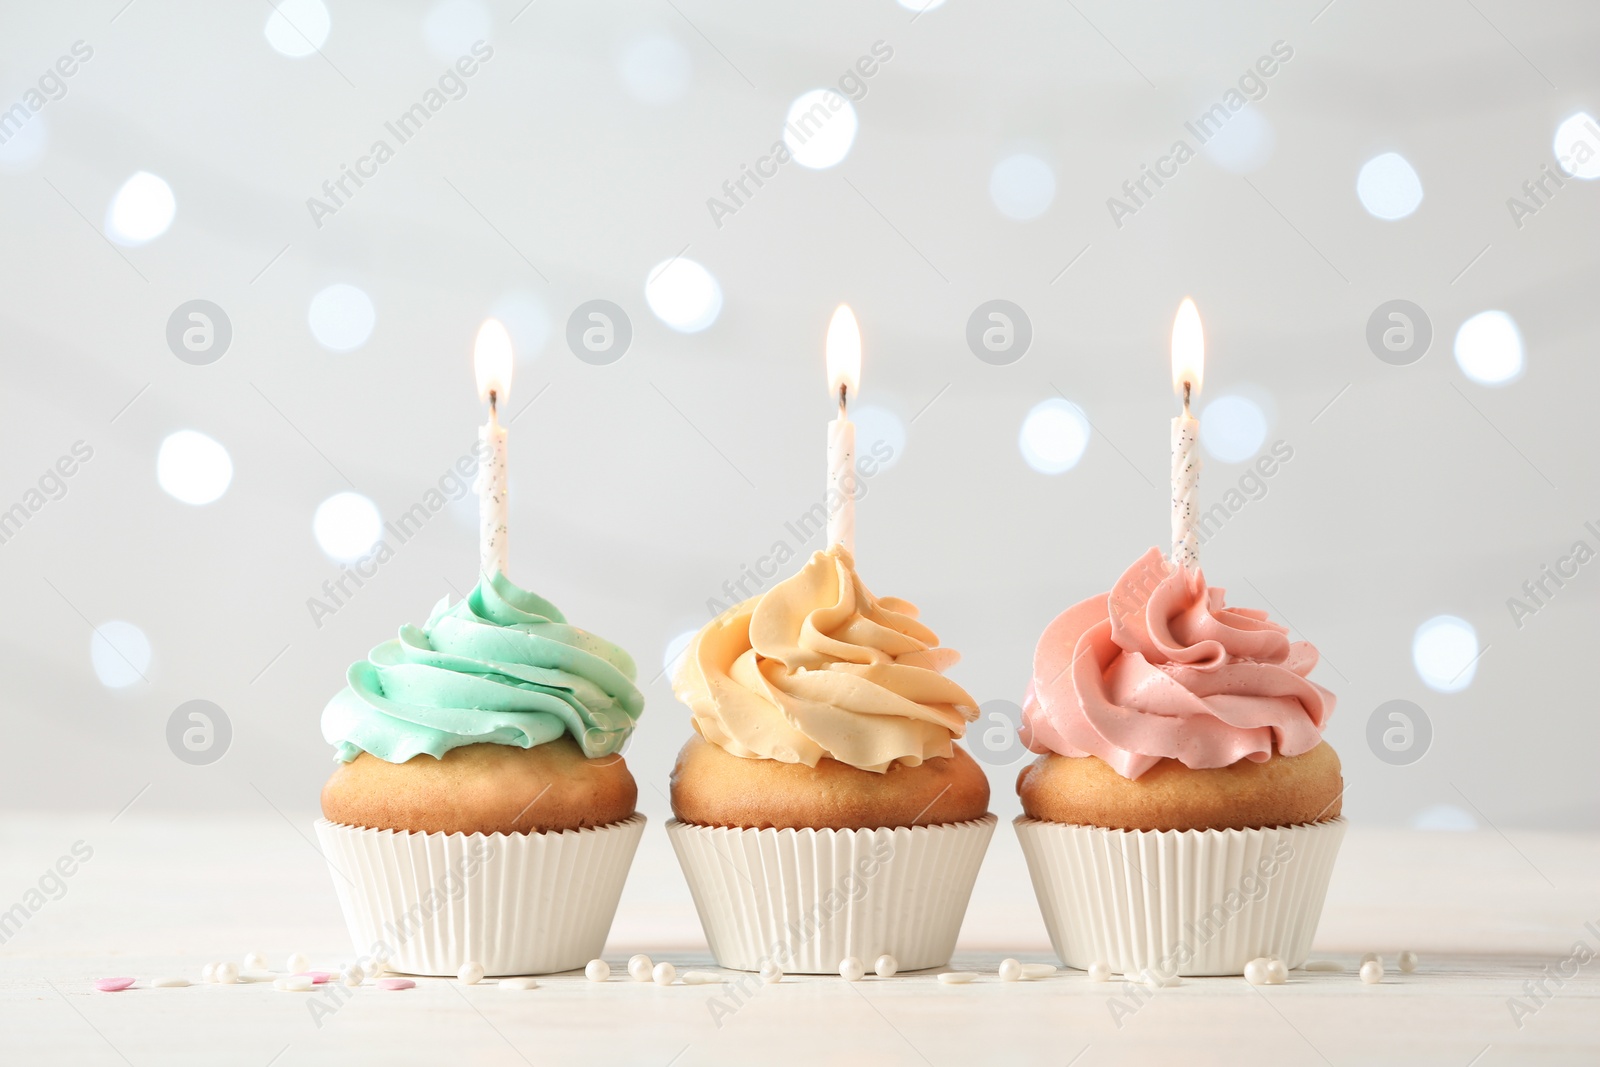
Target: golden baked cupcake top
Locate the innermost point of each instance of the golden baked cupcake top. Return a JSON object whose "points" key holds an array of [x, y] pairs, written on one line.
{"points": [[819, 667]]}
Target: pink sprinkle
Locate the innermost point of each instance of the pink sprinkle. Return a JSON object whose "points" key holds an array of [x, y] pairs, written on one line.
{"points": [[395, 983], [317, 977], [112, 985]]}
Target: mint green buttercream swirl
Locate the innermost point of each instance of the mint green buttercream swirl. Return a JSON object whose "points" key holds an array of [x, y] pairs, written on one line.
{"points": [[501, 666]]}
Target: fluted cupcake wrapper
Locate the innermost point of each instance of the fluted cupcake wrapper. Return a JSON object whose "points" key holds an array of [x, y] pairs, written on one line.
{"points": [[531, 903], [806, 899], [1185, 902]]}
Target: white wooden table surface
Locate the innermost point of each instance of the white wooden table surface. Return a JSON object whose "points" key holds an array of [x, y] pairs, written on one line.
{"points": [[163, 896]]}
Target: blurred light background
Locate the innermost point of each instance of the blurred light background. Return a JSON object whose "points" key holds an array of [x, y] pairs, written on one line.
{"points": [[225, 467]]}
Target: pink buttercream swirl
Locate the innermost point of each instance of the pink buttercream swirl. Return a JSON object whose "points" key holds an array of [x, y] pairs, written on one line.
{"points": [[1161, 668]]}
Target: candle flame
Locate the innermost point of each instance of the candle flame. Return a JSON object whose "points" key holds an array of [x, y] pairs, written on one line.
{"points": [[844, 352], [1188, 348], [491, 360]]}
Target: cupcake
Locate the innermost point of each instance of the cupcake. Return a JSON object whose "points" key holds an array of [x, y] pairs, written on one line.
{"points": [[1184, 814], [822, 808], [481, 810]]}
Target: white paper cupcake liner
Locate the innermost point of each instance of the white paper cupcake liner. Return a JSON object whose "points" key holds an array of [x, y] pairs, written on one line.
{"points": [[1186, 902], [531, 903], [806, 899]]}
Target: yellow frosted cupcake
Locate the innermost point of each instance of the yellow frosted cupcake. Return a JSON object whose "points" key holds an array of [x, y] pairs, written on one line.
{"points": [[823, 809]]}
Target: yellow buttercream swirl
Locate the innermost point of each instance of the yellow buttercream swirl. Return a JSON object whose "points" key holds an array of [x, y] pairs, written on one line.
{"points": [[818, 666]]}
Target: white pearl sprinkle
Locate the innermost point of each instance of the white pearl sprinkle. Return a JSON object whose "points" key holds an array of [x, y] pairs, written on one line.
{"points": [[208, 973], [226, 973], [1372, 957], [772, 974], [1010, 970], [353, 975], [255, 961], [297, 962], [664, 974], [1325, 965], [294, 983], [701, 978], [1255, 972], [1372, 972], [518, 983], [958, 977], [851, 969], [1408, 961], [1099, 971], [1277, 973], [470, 973], [169, 983], [1031, 971], [886, 966], [639, 968], [597, 971]]}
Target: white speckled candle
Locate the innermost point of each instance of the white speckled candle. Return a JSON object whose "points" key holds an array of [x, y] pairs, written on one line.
{"points": [[494, 503], [1186, 490]]}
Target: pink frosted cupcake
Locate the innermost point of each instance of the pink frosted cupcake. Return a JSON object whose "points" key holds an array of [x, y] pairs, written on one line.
{"points": [[1184, 814]]}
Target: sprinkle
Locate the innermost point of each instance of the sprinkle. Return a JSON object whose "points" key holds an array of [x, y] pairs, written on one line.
{"points": [[772, 974], [886, 966], [353, 975], [297, 963], [958, 977], [395, 983], [639, 968], [255, 961], [169, 983], [597, 971], [1408, 961], [1325, 965], [1255, 972], [1099, 971], [226, 973], [470, 973], [701, 978], [317, 977], [1372, 972], [112, 985], [293, 983], [518, 983], [1010, 970], [1038, 970], [664, 974], [1277, 973], [851, 969], [208, 973]]}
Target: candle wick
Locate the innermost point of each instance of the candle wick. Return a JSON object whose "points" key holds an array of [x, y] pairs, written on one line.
{"points": [[494, 408], [843, 397], [1187, 386]]}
